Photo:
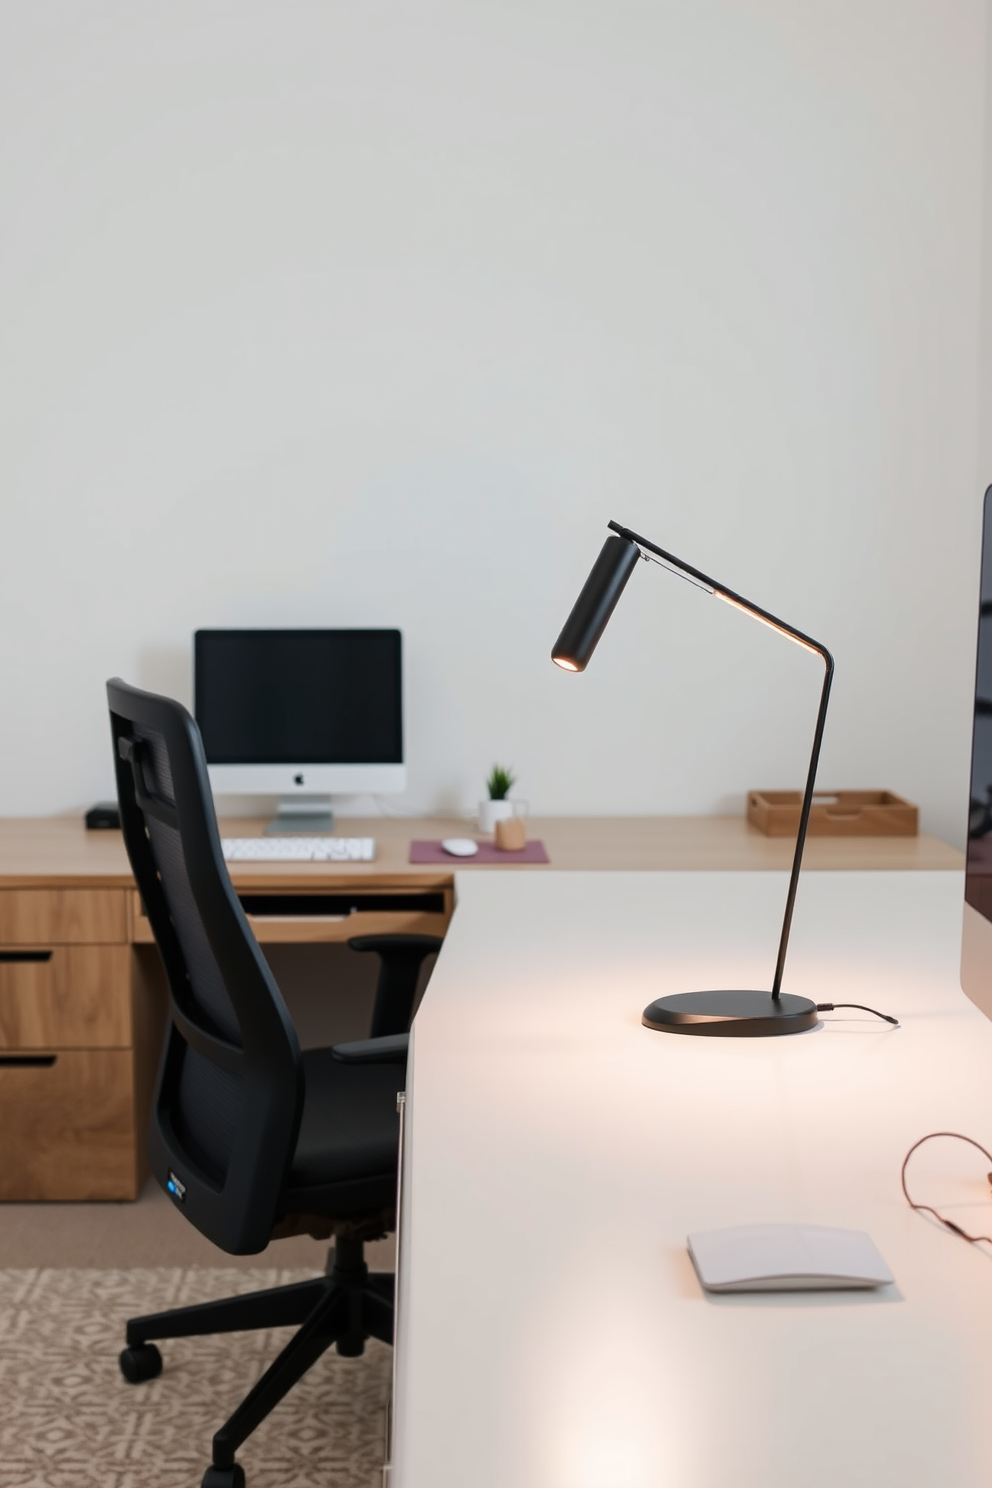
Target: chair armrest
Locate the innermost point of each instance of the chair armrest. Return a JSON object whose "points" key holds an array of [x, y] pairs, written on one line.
{"points": [[391, 1049]]}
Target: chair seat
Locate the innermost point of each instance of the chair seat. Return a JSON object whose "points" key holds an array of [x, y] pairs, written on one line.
{"points": [[350, 1125]]}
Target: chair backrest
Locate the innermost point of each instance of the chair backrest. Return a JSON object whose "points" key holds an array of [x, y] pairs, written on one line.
{"points": [[227, 1106]]}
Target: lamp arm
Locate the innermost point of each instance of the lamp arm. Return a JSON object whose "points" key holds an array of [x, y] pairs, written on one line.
{"points": [[740, 603], [723, 592]]}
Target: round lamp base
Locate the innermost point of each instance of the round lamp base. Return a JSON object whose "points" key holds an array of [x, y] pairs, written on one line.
{"points": [[730, 1014]]}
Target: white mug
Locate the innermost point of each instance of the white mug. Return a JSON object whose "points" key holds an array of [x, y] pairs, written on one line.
{"points": [[490, 812]]}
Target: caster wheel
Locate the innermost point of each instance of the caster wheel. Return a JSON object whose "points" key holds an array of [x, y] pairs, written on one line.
{"points": [[224, 1477], [143, 1362]]}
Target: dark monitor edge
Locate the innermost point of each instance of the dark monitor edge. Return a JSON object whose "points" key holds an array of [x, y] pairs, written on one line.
{"points": [[976, 930]]}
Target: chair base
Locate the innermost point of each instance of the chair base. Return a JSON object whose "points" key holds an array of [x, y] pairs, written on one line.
{"points": [[345, 1307]]}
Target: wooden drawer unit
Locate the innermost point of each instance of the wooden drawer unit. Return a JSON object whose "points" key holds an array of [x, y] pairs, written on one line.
{"points": [[80, 1030], [68, 1125], [65, 997], [83, 1000]]}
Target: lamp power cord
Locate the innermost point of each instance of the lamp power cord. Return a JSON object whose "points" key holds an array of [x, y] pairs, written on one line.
{"points": [[831, 1007]]}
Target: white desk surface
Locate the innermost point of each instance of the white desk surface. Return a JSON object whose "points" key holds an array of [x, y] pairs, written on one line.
{"points": [[552, 1333]]}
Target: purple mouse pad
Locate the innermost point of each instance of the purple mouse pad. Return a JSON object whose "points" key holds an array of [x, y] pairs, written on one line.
{"points": [[433, 852]]}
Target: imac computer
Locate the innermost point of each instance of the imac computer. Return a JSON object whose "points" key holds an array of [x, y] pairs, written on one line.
{"points": [[302, 715], [976, 939]]}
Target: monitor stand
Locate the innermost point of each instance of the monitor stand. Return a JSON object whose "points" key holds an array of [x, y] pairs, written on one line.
{"points": [[301, 816]]}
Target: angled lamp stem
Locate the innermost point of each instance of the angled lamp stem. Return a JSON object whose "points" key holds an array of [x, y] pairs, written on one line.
{"points": [[728, 1013]]}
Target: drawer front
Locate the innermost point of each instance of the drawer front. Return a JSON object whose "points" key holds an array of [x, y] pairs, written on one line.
{"points": [[66, 997], [32, 917], [68, 1126]]}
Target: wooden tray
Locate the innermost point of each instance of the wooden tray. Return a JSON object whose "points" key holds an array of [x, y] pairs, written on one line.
{"points": [[833, 814]]}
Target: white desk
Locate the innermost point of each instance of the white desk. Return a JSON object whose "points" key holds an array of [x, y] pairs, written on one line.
{"points": [[552, 1333]]}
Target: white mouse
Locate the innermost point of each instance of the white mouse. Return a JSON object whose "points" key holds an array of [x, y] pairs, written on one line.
{"points": [[460, 847]]}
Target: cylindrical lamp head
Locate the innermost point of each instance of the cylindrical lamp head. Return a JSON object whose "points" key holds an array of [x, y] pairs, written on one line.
{"points": [[595, 604]]}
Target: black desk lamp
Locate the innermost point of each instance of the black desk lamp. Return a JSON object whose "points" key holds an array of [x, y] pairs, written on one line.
{"points": [[734, 1014]]}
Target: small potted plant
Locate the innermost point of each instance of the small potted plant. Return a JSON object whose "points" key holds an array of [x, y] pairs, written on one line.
{"points": [[498, 806]]}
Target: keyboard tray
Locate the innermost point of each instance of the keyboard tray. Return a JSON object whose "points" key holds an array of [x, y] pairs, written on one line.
{"points": [[293, 906]]}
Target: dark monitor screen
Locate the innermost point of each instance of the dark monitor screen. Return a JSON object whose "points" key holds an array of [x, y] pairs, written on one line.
{"points": [[978, 883], [296, 697]]}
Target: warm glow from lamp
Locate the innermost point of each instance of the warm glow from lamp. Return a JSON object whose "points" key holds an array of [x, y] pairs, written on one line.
{"points": [[566, 666], [748, 610]]}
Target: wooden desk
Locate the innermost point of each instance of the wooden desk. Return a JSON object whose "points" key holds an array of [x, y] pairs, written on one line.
{"points": [[570, 1345], [81, 995], [49, 852]]}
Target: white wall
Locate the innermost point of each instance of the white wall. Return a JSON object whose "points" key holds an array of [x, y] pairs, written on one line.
{"points": [[375, 313]]}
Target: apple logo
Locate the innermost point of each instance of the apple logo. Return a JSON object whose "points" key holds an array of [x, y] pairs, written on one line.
{"points": [[298, 780]]}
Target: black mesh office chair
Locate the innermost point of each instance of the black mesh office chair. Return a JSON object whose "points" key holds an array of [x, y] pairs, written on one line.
{"points": [[252, 1138]]}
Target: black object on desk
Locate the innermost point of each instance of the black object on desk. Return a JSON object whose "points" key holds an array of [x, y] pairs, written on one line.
{"points": [[735, 1014], [103, 816]]}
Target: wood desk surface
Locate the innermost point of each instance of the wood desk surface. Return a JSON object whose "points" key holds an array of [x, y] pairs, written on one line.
{"points": [[58, 851]]}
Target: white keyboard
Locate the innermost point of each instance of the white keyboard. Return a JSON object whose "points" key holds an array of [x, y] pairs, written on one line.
{"points": [[298, 849]]}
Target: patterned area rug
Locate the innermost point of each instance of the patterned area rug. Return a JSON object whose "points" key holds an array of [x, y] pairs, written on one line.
{"points": [[68, 1419]]}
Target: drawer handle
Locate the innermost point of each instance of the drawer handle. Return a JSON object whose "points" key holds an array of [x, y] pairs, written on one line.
{"points": [[27, 1061], [14, 956]]}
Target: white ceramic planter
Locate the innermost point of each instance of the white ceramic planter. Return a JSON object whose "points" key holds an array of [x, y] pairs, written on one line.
{"points": [[490, 812]]}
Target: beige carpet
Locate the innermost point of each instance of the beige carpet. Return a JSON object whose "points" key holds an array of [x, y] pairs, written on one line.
{"points": [[68, 1419]]}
